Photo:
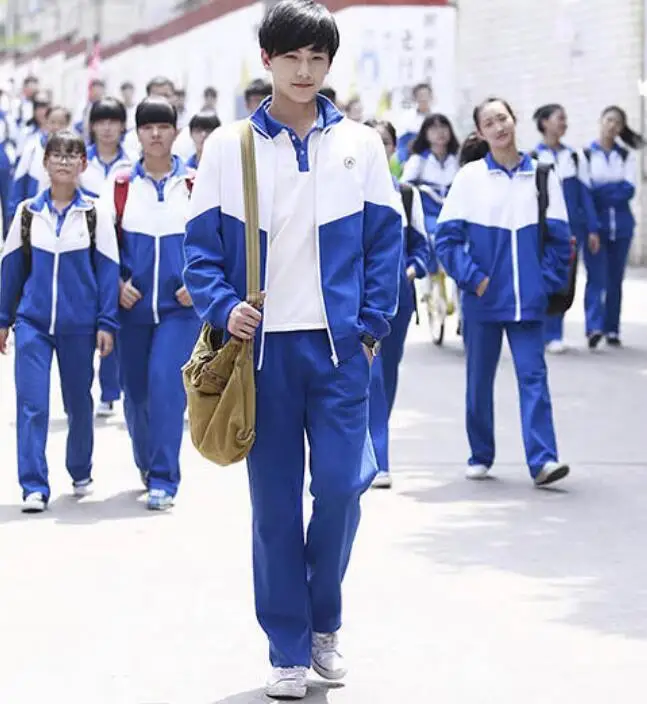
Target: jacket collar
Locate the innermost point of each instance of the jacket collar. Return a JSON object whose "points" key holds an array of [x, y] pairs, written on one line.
{"points": [[43, 201], [178, 169], [597, 147], [524, 167], [93, 153], [327, 116]]}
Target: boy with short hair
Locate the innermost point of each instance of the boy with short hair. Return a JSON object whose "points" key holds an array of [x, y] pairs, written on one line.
{"points": [[331, 242], [200, 127]]}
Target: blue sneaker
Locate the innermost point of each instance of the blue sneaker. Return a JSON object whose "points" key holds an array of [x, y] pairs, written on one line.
{"points": [[159, 500]]}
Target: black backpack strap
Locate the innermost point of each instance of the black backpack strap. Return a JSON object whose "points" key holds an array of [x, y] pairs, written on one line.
{"points": [[26, 218], [406, 191], [542, 200], [91, 220], [576, 160], [587, 154], [534, 155]]}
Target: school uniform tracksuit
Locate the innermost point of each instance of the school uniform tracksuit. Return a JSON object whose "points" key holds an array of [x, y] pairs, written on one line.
{"points": [[488, 228], [572, 169], [433, 178], [157, 335], [384, 371], [93, 180], [315, 381], [69, 294], [30, 177], [613, 186], [7, 159]]}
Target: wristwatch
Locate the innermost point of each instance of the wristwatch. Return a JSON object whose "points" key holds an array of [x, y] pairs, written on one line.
{"points": [[371, 343]]}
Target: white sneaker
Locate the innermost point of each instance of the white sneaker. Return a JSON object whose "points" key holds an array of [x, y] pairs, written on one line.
{"points": [[327, 661], [105, 409], [477, 471], [551, 472], [83, 488], [34, 503], [159, 500], [556, 347], [287, 683], [382, 481]]}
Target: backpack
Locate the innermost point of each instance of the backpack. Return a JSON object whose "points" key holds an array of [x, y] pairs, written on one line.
{"points": [[574, 156], [560, 302], [406, 191], [122, 185]]}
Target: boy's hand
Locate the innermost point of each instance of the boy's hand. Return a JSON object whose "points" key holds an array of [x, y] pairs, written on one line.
{"points": [[128, 294], [184, 297], [594, 242], [243, 321], [482, 287], [105, 343], [4, 336]]}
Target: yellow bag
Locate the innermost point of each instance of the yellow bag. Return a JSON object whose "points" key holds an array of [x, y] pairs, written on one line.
{"points": [[219, 379]]}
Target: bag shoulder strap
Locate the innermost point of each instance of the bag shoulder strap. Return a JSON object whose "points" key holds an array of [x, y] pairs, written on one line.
{"points": [[190, 180], [26, 218], [587, 154], [406, 191], [91, 220], [250, 192], [122, 184], [542, 199]]}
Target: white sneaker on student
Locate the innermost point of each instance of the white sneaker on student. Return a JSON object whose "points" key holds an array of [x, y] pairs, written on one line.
{"points": [[551, 472], [105, 409], [83, 488], [556, 347], [34, 503], [327, 661], [287, 683], [477, 471], [382, 481]]}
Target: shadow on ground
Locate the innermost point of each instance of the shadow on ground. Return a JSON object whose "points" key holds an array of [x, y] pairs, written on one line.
{"points": [[317, 694]]}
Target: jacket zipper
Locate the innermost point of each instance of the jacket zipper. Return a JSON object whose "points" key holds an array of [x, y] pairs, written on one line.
{"points": [[515, 263], [54, 289], [612, 223]]}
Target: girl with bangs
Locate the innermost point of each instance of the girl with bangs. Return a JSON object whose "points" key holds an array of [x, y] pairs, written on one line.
{"points": [[106, 158]]}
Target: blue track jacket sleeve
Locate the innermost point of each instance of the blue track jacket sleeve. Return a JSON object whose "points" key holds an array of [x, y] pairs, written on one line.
{"points": [[586, 197], [12, 272], [204, 275], [383, 243], [612, 195], [106, 266], [412, 169], [557, 250], [417, 240], [450, 239], [24, 184]]}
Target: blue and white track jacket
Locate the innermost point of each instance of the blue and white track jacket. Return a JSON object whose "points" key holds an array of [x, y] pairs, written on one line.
{"points": [[66, 292], [358, 218], [97, 172], [152, 253], [573, 171], [613, 181], [416, 243], [488, 227], [30, 177]]}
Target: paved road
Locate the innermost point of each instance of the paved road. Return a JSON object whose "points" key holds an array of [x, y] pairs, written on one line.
{"points": [[458, 593]]}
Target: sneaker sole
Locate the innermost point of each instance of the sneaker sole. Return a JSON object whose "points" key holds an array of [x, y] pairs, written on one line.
{"points": [[286, 692], [555, 476], [382, 483], [328, 674], [33, 509]]}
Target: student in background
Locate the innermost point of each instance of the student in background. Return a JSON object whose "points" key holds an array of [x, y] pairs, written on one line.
{"points": [[255, 94], [106, 158], [201, 126], [36, 123], [30, 176], [210, 99], [354, 110], [23, 107], [412, 119], [96, 93], [572, 169], [127, 90], [158, 324], [67, 304], [7, 160], [432, 166], [414, 262], [488, 241], [613, 178]]}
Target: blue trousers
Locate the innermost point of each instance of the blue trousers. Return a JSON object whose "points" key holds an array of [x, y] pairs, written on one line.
{"points": [[33, 363], [109, 376], [384, 378], [299, 393], [150, 361], [605, 273], [553, 328], [483, 349]]}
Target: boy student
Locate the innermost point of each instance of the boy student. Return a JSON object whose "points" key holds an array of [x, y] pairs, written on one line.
{"points": [[331, 242], [158, 324], [65, 285], [201, 126]]}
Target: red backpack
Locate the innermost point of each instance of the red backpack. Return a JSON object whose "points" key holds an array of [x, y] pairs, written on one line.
{"points": [[122, 184]]}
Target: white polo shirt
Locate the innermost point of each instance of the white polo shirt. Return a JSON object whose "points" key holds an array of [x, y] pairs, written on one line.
{"points": [[294, 300]]}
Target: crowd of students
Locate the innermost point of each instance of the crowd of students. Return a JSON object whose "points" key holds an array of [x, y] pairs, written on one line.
{"points": [[127, 231]]}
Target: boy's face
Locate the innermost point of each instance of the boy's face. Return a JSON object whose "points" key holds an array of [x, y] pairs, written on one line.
{"points": [[299, 74], [157, 139], [56, 122], [199, 137]]}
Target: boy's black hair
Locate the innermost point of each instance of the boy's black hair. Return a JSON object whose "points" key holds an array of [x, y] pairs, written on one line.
{"points": [[329, 93], [158, 82], [420, 86], [67, 142], [297, 24], [30, 79], [206, 120], [258, 87], [421, 144], [107, 109], [97, 82], [155, 110], [59, 108], [127, 85], [210, 92]]}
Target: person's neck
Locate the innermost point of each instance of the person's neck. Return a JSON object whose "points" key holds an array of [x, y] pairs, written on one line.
{"points": [[551, 141], [299, 116], [107, 152], [607, 143], [62, 195], [439, 152], [158, 167], [508, 157]]}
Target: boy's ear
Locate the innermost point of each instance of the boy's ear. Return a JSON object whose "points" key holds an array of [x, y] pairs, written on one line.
{"points": [[265, 58]]}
